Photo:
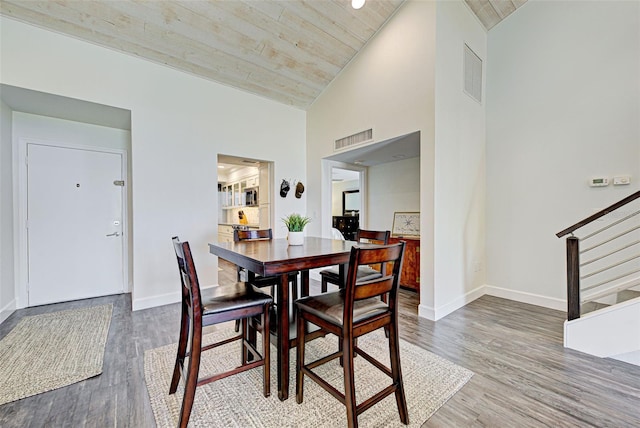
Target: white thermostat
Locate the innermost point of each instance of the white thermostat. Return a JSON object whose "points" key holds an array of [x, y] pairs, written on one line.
{"points": [[599, 182], [621, 180]]}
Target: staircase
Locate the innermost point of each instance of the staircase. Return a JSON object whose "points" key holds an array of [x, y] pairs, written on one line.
{"points": [[620, 297], [603, 282]]}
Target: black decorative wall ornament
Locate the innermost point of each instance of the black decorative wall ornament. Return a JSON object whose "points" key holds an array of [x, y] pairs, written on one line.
{"points": [[284, 188]]}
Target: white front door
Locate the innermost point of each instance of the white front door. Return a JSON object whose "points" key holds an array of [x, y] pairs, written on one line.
{"points": [[74, 224]]}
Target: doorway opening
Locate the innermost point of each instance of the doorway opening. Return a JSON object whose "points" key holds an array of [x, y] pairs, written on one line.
{"points": [[50, 120], [389, 180], [346, 201], [244, 195], [72, 200]]}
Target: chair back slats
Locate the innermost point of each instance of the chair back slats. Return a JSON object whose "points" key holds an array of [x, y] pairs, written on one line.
{"points": [[388, 284], [364, 237], [373, 236], [378, 237], [188, 275], [374, 256], [373, 288], [252, 234]]}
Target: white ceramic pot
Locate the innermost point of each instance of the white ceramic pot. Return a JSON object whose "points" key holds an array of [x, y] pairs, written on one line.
{"points": [[296, 238]]}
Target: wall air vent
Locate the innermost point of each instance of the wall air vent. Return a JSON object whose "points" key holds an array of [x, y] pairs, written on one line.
{"points": [[472, 74], [354, 140]]}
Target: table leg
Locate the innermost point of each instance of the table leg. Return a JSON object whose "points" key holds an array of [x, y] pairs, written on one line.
{"points": [[283, 337]]}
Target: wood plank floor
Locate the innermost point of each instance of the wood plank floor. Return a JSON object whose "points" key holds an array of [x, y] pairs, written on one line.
{"points": [[523, 375]]}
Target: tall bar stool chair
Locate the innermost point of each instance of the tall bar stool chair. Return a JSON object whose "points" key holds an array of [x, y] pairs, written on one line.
{"points": [[239, 301], [332, 274], [350, 313], [263, 281]]}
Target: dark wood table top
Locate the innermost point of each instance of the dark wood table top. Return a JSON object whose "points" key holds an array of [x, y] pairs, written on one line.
{"points": [[276, 256]]}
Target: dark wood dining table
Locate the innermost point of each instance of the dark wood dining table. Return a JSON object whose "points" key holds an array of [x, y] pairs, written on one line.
{"points": [[277, 257]]}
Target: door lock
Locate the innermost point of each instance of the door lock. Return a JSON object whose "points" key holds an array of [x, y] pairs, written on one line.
{"points": [[114, 234]]}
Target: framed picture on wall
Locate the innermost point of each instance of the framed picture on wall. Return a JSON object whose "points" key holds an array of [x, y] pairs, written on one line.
{"points": [[406, 224]]}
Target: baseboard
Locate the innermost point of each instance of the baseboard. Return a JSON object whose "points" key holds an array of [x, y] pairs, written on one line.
{"points": [[161, 300], [524, 297], [434, 314], [152, 302], [629, 357], [442, 311], [426, 312], [7, 310]]}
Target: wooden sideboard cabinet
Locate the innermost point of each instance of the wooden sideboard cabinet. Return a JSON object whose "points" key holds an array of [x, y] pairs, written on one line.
{"points": [[410, 277], [347, 225]]}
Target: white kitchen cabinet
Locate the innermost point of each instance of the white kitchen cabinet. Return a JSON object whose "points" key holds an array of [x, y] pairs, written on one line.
{"points": [[225, 233], [234, 192], [263, 196]]}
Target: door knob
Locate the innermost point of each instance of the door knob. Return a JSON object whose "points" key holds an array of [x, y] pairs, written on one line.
{"points": [[114, 234]]}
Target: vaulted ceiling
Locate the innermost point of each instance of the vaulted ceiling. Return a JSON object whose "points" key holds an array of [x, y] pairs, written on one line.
{"points": [[491, 12], [287, 51]]}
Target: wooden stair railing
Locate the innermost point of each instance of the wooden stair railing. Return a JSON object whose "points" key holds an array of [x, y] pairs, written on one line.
{"points": [[573, 253]]}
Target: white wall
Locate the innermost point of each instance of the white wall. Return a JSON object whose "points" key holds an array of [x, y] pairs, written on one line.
{"points": [[7, 284], [563, 105], [53, 130], [393, 186], [179, 125], [389, 87], [459, 164]]}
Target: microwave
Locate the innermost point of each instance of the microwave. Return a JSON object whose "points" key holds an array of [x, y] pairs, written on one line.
{"points": [[251, 197]]}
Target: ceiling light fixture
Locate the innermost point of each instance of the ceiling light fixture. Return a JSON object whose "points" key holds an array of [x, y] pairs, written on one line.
{"points": [[357, 4]]}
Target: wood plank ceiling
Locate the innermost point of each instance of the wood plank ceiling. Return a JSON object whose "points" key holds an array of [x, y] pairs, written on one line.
{"points": [[287, 51], [491, 12]]}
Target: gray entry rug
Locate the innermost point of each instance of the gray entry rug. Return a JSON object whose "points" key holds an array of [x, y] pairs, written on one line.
{"points": [[237, 401], [49, 351]]}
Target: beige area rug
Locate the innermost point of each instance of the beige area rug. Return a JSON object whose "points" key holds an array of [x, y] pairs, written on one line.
{"points": [[49, 351], [237, 401]]}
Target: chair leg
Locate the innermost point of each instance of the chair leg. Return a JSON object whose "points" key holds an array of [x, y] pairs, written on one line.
{"points": [[300, 357], [394, 353], [266, 352], [294, 289], [385, 299], [182, 348], [192, 374], [247, 334], [349, 386], [323, 285]]}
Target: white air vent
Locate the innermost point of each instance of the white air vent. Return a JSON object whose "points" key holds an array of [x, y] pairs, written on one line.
{"points": [[472, 74], [354, 140]]}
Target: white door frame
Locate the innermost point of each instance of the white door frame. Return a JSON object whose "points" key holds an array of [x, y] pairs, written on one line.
{"points": [[20, 213], [327, 188]]}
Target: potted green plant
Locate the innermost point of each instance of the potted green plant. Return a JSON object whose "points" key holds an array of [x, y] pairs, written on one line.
{"points": [[295, 224]]}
